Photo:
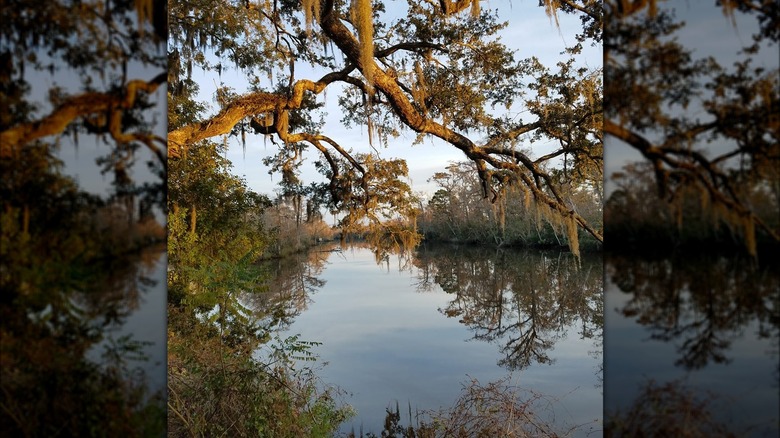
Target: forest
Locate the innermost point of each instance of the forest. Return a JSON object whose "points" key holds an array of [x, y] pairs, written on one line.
{"points": [[77, 257], [706, 129], [531, 136], [394, 68], [402, 87]]}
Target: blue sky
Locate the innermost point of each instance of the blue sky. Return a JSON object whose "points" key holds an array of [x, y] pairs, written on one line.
{"points": [[530, 33]]}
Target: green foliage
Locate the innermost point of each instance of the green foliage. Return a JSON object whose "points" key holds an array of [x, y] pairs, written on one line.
{"points": [[376, 193], [216, 383], [217, 388], [423, 67], [458, 212], [202, 180], [375, 201], [60, 293], [213, 372]]}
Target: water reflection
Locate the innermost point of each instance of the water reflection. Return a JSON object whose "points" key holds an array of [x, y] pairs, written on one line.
{"points": [[289, 283], [705, 324], [65, 366], [524, 301], [74, 267], [413, 328], [701, 306]]}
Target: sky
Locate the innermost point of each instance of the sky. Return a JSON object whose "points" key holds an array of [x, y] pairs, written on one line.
{"points": [[530, 33], [707, 33]]}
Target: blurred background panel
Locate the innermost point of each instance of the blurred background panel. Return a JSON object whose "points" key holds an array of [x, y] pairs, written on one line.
{"points": [[692, 223], [83, 164]]}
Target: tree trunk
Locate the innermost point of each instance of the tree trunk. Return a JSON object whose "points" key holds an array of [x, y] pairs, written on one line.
{"points": [[193, 219]]}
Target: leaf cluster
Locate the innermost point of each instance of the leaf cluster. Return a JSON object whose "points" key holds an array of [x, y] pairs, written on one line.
{"points": [[433, 71], [707, 128]]}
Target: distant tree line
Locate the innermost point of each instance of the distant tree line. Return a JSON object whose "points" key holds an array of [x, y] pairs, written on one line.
{"points": [[458, 212]]}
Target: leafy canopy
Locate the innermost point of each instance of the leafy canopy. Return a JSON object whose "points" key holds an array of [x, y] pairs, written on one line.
{"points": [[709, 129], [427, 67]]}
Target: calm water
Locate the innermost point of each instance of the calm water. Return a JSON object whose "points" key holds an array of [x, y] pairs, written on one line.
{"points": [[147, 323], [414, 330], [145, 320], [706, 327]]}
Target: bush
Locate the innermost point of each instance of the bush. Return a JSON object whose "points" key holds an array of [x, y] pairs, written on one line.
{"points": [[217, 388]]}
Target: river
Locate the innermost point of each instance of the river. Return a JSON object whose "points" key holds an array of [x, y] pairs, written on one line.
{"points": [[696, 335], [412, 331]]}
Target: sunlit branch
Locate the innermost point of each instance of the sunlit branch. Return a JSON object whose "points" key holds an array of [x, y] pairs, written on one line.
{"points": [[583, 9], [280, 127], [551, 155], [700, 168], [237, 110], [249, 105], [405, 110], [13, 140], [411, 47], [512, 135], [451, 7]]}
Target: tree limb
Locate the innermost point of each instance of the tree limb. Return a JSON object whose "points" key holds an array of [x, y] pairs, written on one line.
{"points": [[13, 140], [250, 104], [405, 110]]}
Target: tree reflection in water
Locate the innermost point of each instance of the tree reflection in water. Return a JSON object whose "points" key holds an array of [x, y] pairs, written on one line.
{"points": [[669, 410], [700, 304], [288, 284], [709, 308], [525, 301], [74, 266]]}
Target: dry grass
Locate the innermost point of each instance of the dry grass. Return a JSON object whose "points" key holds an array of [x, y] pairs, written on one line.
{"points": [[496, 409]]}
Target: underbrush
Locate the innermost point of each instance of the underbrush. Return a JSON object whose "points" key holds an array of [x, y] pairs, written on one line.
{"points": [[496, 409], [219, 388]]}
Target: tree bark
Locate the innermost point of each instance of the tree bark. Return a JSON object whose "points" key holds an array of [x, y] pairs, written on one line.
{"points": [[13, 140]]}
